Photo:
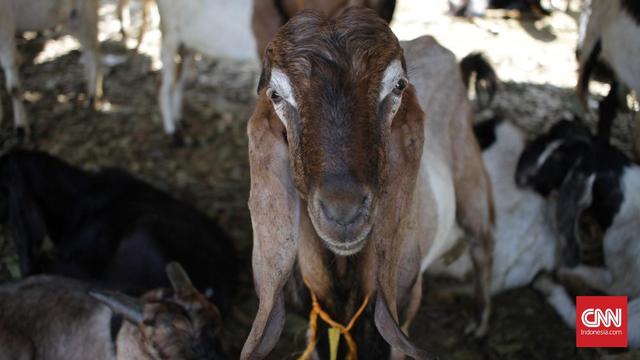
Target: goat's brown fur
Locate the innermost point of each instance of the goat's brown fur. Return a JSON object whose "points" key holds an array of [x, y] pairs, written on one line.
{"points": [[335, 66]]}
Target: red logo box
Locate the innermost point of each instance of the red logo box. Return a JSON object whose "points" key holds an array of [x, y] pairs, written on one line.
{"points": [[601, 321]]}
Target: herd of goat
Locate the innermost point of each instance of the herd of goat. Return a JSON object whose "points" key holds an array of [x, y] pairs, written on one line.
{"points": [[366, 172]]}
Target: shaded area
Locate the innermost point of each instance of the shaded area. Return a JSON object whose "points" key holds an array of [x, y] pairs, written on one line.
{"points": [[212, 173]]}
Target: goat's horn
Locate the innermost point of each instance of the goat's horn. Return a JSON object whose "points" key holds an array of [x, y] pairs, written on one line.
{"points": [[178, 277], [131, 308]]}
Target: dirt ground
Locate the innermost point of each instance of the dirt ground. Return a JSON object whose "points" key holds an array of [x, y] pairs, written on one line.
{"points": [[534, 59]]}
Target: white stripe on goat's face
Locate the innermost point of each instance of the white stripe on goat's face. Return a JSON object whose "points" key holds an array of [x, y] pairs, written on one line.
{"points": [[547, 152], [281, 94], [393, 83]]}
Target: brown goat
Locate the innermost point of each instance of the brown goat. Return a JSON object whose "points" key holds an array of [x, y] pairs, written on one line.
{"points": [[353, 191], [270, 15], [49, 317]]}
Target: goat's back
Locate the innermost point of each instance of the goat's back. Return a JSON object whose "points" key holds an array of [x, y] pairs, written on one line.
{"points": [[435, 74], [47, 317]]}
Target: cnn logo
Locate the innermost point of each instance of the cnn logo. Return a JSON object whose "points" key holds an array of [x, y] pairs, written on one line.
{"points": [[601, 321], [595, 318]]}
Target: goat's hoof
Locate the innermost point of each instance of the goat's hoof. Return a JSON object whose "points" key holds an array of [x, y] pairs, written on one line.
{"points": [[479, 330], [178, 139], [23, 134], [93, 104]]}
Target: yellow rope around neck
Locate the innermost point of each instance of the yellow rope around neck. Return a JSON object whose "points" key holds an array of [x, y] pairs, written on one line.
{"points": [[316, 310]]}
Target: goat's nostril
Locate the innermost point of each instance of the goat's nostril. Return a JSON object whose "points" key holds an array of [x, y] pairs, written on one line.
{"points": [[343, 211]]}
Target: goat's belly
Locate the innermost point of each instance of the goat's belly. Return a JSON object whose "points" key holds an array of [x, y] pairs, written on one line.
{"points": [[218, 29], [437, 209], [36, 15], [525, 242], [621, 49], [621, 247]]}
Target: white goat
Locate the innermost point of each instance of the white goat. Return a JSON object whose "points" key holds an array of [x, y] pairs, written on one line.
{"points": [[189, 25], [241, 32], [609, 46], [80, 18]]}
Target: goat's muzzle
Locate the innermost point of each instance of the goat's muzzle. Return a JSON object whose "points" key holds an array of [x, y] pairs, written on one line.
{"points": [[341, 214]]}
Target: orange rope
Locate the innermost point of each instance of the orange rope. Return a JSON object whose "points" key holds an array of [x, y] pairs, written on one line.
{"points": [[316, 310]]}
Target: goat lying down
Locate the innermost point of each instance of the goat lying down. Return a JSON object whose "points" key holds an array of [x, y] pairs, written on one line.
{"points": [[50, 317], [354, 188], [608, 49], [80, 18], [591, 178], [108, 227], [525, 236]]}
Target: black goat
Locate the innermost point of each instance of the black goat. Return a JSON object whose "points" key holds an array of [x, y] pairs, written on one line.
{"points": [[108, 227]]}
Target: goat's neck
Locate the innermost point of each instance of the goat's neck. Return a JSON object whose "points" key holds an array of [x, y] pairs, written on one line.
{"points": [[341, 283], [131, 344]]}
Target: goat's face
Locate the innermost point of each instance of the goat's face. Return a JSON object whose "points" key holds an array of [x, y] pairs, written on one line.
{"points": [[546, 161], [172, 324], [336, 86], [175, 328]]}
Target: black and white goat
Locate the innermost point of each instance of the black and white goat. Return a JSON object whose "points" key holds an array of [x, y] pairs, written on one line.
{"points": [[589, 177], [608, 49], [108, 227], [525, 239], [55, 318]]}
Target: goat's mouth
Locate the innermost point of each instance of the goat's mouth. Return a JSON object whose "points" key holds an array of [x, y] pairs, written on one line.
{"points": [[343, 235]]}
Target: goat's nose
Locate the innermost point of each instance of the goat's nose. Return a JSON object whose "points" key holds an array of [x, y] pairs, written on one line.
{"points": [[343, 203]]}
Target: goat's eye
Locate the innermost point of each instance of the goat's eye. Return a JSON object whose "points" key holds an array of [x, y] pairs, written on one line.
{"points": [[274, 96], [400, 86]]}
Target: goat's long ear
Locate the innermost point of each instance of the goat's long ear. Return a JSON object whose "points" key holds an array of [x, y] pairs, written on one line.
{"points": [[130, 308], [406, 142], [574, 197], [275, 205]]}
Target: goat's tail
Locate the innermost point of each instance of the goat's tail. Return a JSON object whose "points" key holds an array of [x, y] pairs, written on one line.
{"points": [[486, 80]]}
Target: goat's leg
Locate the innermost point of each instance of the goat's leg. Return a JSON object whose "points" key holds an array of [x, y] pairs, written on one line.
{"points": [[607, 111], [146, 10], [178, 89], [557, 297], [8, 62], [86, 30], [165, 95], [474, 207], [597, 278], [123, 12]]}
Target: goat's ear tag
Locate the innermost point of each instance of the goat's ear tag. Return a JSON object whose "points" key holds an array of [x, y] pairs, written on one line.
{"points": [[334, 341]]}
